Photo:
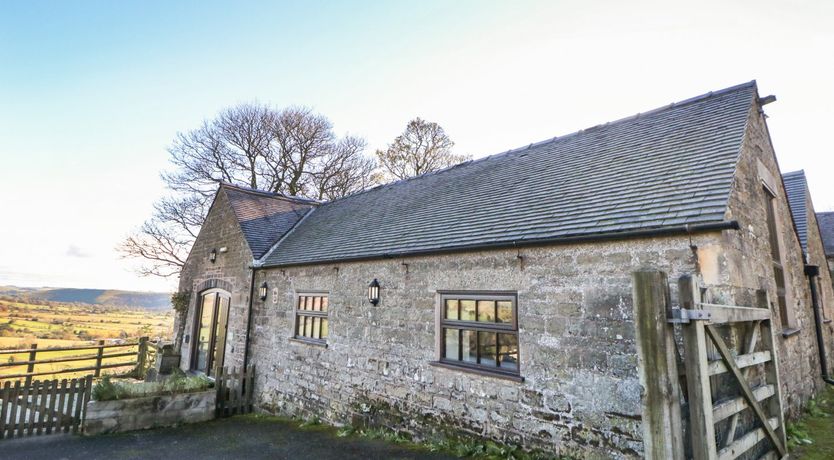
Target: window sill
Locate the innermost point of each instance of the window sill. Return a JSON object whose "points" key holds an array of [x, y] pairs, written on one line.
{"points": [[789, 331], [473, 370], [313, 342]]}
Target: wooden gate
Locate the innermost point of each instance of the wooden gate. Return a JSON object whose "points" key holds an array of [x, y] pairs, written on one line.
{"points": [[43, 406], [725, 377], [234, 391]]}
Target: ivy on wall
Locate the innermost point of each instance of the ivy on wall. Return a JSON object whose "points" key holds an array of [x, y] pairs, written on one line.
{"points": [[180, 300]]}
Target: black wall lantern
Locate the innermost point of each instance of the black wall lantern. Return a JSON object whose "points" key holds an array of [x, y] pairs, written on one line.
{"points": [[263, 290], [373, 292], [213, 255]]}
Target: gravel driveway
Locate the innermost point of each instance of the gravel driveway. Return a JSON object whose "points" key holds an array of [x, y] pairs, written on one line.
{"points": [[242, 437]]}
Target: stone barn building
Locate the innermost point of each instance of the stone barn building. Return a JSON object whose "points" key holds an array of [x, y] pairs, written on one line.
{"points": [[504, 304]]}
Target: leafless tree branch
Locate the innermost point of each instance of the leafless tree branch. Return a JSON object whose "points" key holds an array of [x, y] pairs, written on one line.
{"points": [[292, 151], [423, 147]]}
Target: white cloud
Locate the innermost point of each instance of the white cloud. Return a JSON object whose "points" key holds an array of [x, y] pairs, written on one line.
{"points": [[75, 251]]}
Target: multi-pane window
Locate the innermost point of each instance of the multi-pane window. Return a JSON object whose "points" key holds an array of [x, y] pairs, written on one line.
{"points": [[821, 298], [480, 331], [311, 317], [776, 258], [831, 273]]}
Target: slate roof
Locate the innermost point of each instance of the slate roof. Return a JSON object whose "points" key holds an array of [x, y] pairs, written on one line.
{"points": [[666, 168], [796, 188], [826, 223], [265, 217]]}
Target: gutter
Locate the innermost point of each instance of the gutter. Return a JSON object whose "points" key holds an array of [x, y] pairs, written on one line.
{"points": [[645, 233], [812, 272]]}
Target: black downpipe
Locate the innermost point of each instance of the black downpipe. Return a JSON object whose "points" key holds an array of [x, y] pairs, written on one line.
{"points": [[812, 271], [249, 318]]}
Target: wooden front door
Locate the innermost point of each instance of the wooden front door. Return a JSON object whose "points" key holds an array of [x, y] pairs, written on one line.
{"points": [[210, 332]]}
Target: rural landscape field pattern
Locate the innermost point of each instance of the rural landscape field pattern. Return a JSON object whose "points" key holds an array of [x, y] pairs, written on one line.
{"points": [[52, 325]]}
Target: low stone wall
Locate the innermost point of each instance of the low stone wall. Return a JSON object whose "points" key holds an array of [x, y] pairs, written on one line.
{"points": [[148, 412]]}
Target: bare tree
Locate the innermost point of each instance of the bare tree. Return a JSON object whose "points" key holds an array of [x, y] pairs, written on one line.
{"points": [[292, 151], [345, 171], [163, 248], [423, 147]]}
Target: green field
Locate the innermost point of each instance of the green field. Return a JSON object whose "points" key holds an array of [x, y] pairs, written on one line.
{"points": [[52, 325]]}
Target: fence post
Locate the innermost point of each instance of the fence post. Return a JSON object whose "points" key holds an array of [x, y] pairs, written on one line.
{"points": [[142, 357], [219, 385], [98, 357], [699, 390], [85, 398], [30, 368], [657, 358]]}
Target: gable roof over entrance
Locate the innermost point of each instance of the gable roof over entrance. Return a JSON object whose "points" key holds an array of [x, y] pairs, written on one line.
{"points": [[663, 169], [264, 217]]}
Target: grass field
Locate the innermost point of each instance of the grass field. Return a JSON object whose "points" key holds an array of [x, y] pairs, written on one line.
{"points": [[52, 325]]}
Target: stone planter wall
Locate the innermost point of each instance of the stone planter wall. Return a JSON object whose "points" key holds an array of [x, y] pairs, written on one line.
{"points": [[148, 412]]}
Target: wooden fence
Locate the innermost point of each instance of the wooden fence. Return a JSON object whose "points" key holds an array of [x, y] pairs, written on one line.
{"points": [[101, 356], [728, 378], [234, 391], [43, 406]]}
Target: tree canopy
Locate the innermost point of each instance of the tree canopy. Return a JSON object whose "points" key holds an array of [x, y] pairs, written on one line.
{"points": [[292, 151], [422, 148]]}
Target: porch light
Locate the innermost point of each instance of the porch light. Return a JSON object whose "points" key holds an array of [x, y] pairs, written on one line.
{"points": [[373, 292], [263, 290], [213, 255]]}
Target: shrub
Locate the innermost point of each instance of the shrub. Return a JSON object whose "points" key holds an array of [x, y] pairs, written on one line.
{"points": [[107, 390]]}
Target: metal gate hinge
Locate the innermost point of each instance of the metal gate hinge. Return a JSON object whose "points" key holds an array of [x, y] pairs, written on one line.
{"points": [[684, 315]]}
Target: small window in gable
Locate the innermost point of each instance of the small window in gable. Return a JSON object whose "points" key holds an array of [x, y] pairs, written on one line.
{"points": [[785, 313], [823, 304]]}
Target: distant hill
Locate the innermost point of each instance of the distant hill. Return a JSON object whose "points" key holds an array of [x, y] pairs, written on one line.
{"points": [[111, 297]]}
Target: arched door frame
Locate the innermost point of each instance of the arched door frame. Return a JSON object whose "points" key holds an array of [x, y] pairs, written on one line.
{"points": [[215, 332]]}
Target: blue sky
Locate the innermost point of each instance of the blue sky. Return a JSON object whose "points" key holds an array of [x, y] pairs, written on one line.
{"points": [[92, 93]]}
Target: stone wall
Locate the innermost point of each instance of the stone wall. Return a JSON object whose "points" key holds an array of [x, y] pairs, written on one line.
{"points": [[230, 272], [745, 264], [580, 394], [148, 412]]}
